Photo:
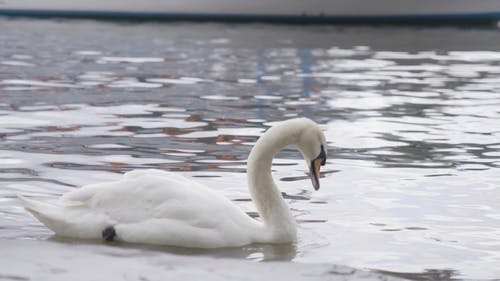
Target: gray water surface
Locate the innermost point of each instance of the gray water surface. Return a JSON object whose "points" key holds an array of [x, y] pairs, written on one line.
{"points": [[411, 115]]}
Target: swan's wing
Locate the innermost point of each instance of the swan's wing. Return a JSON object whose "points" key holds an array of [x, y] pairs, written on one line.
{"points": [[84, 194], [141, 195]]}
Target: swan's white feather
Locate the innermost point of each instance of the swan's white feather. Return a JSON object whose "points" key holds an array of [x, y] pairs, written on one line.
{"points": [[159, 207]]}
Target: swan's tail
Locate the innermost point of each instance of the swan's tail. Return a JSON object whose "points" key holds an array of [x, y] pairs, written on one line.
{"points": [[68, 219], [48, 214]]}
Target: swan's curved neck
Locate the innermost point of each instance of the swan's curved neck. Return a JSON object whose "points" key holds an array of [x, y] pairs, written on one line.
{"points": [[273, 210]]}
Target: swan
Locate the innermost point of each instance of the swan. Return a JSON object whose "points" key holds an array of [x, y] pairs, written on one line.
{"points": [[163, 208]]}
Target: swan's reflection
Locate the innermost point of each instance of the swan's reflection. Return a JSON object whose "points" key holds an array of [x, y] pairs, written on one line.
{"points": [[253, 252]]}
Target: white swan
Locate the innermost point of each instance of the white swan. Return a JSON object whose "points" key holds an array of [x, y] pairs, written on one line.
{"points": [[158, 207]]}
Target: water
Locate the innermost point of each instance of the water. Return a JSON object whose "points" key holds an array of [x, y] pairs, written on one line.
{"points": [[411, 115]]}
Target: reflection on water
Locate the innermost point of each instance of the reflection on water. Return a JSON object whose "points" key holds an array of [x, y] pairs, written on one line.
{"points": [[411, 185], [255, 252]]}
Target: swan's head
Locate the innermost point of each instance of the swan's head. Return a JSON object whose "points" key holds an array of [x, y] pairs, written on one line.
{"points": [[312, 144], [303, 133]]}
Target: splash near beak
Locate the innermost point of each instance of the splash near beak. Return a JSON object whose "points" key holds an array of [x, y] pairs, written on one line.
{"points": [[316, 164]]}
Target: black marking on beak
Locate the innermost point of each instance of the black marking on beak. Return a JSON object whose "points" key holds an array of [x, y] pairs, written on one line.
{"points": [[322, 155], [320, 160]]}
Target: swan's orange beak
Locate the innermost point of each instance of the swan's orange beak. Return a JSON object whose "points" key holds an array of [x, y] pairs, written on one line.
{"points": [[316, 164]]}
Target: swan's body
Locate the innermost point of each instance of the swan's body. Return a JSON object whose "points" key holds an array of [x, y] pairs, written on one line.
{"points": [[158, 207], [150, 206]]}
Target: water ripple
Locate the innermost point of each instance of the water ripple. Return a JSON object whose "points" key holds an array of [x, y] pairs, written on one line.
{"points": [[414, 143]]}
